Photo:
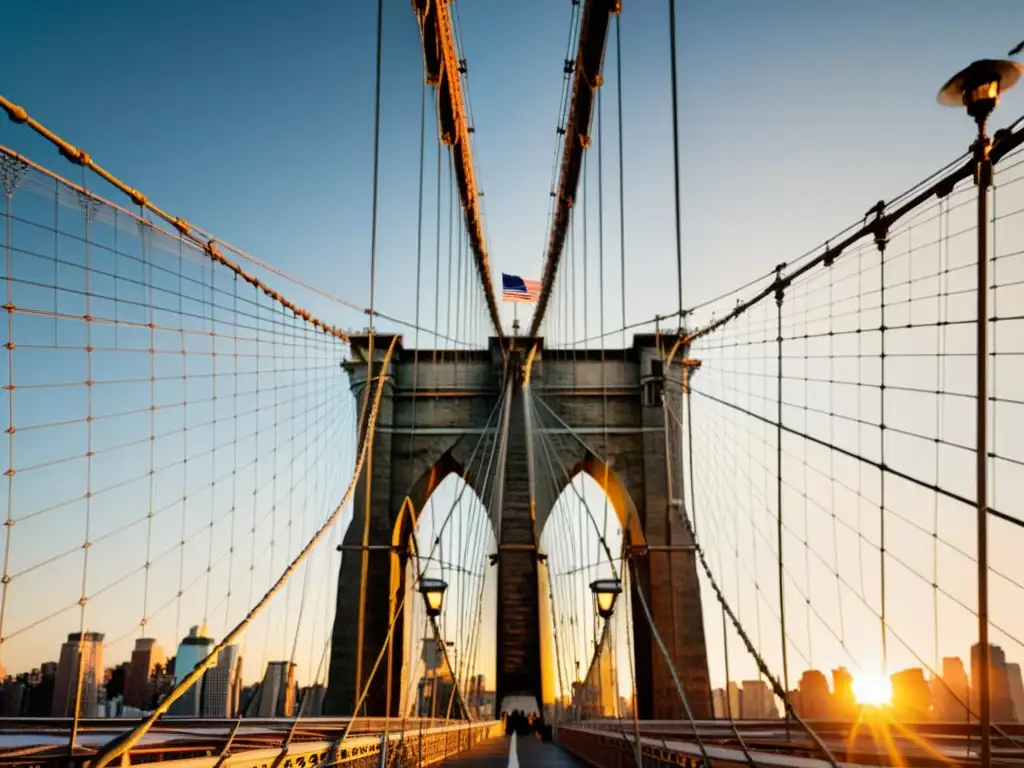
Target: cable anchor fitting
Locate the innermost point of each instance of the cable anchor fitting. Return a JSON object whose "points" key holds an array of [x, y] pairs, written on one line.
{"points": [[780, 287], [15, 113], [881, 225], [830, 255]]}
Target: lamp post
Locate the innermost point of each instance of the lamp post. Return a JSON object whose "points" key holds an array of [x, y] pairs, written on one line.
{"points": [[605, 592], [433, 599], [433, 595], [977, 88]]}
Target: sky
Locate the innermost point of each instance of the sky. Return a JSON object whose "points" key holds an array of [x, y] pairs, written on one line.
{"points": [[255, 121]]}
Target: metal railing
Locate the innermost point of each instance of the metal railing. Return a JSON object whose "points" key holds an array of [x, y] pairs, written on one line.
{"points": [[608, 744], [198, 745]]}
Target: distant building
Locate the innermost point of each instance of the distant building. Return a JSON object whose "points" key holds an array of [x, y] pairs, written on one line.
{"points": [[192, 650], [311, 702], [794, 701], [248, 700], [114, 680], [139, 687], [38, 699], [815, 698], [911, 696], [844, 702], [950, 692], [625, 705], [436, 688], [277, 692], [12, 698], [222, 684], [758, 701], [1016, 689], [85, 650], [163, 680], [999, 684], [477, 686], [718, 703], [734, 701]]}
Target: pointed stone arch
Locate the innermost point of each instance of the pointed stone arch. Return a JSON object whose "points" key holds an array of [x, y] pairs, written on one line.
{"points": [[610, 482], [411, 507], [600, 403]]}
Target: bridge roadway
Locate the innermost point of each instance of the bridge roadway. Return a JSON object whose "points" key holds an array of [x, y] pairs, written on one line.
{"points": [[514, 752]]}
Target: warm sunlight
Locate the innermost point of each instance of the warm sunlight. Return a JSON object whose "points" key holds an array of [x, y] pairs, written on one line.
{"points": [[873, 690]]}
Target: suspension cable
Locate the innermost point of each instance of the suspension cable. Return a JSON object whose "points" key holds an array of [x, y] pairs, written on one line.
{"points": [[120, 745]]}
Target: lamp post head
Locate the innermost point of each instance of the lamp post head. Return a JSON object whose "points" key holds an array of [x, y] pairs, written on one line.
{"points": [[979, 85], [605, 593], [433, 595]]}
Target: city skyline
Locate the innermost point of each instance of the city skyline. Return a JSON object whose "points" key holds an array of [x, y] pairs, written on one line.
{"points": [[908, 693]]}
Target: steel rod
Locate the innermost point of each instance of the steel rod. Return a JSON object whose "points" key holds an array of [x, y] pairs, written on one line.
{"points": [[984, 170]]}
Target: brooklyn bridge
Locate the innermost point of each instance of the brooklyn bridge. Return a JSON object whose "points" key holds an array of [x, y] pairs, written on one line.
{"points": [[504, 520]]}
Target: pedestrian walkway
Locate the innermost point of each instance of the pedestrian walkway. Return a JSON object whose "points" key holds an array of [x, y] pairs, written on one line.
{"points": [[513, 752]]}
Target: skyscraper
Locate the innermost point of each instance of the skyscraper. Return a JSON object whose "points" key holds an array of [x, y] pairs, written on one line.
{"points": [[998, 684], [138, 685], [192, 650], [85, 650], [950, 693], [312, 701], [221, 685], [815, 698], [734, 700], [844, 702], [277, 692], [911, 696], [1016, 689], [718, 703], [758, 702]]}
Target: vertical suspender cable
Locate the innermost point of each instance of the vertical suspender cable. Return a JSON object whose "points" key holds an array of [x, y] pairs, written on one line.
{"points": [[880, 242], [778, 499], [437, 263], [622, 192], [675, 149], [369, 362]]}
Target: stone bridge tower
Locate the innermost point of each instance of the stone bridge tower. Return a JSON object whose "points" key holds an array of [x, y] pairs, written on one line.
{"points": [[599, 412]]}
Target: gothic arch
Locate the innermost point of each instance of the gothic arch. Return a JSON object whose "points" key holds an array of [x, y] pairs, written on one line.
{"points": [[407, 516], [621, 501]]}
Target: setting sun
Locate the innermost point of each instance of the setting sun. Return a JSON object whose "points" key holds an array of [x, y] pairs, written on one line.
{"points": [[872, 690]]}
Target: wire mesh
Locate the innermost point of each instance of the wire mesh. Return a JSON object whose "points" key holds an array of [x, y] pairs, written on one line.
{"points": [[834, 454], [174, 436]]}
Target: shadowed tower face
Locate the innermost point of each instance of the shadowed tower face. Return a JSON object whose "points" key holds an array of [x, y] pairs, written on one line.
{"points": [[600, 413]]}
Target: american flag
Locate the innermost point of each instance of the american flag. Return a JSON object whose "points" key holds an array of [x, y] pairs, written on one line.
{"points": [[514, 288]]}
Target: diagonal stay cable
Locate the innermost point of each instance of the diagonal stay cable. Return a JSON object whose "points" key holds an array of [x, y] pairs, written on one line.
{"points": [[548, 444], [434, 545], [739, 628], [654, 630], [859, 594], [761, 664], [401, 605]]}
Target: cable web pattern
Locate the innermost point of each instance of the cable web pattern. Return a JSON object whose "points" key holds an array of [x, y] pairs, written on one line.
{"points": [[174, 437], [832, 470]]}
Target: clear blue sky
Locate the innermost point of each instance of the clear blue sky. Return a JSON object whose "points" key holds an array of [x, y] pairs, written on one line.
{"points": [[255, 121]]}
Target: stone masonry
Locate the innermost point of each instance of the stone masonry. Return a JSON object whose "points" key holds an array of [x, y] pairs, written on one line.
{"points": [[600, 412]]}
